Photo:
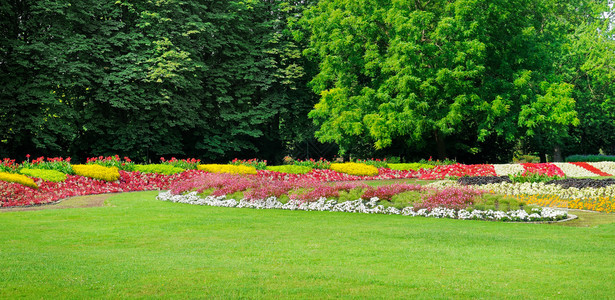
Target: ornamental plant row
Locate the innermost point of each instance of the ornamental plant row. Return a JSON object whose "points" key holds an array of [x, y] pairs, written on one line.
{"points": [[368, 207]]}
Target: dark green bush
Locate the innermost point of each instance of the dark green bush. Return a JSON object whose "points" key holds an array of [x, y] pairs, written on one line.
{"points": [[590, 158]]}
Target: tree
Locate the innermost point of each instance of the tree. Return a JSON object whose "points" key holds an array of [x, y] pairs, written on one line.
{"points": [[454, 76]]}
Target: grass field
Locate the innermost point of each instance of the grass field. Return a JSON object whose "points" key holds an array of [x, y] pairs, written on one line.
{"points": [[136, 246]]}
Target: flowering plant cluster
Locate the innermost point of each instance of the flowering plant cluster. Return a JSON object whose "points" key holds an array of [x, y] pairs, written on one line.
{"points": [[186, 164], [97, 172], [357, 169], [257, 164], [451, 198], [376, 162], [321, 163], [386, 192], [50, 163], [8, 165], [112, 161], [49, 175]]}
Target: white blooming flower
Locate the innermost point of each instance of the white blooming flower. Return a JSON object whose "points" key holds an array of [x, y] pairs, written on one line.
{"points": [[508, 169]]}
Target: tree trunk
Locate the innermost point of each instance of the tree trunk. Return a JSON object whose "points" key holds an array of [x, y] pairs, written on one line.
{"points": [[440, 145], [557, 154]]}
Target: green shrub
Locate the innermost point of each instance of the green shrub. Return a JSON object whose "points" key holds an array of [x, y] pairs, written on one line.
{"points": [[97, 172], [532, 177], [158, 168], [378, 163], [410, 166], [290, 169], [437, 162], [49, 175], [590, 158]]}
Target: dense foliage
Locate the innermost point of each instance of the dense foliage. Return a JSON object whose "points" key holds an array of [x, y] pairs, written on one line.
{"points": [[473, 80], [205, 78], [476, 79]]}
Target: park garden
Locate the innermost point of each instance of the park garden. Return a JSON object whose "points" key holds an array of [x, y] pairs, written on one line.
{"points": [[307, 149]]}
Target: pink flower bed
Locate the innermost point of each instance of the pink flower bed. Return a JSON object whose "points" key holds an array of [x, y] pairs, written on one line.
{"points": [[453, 198], [458, 170]]}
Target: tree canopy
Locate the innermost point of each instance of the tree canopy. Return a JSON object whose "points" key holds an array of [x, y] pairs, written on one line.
{"points": [[461, 77], [474, 80]]}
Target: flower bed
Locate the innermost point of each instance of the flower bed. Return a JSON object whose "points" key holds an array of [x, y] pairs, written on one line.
{"points": [[597, 196], [366, 206], [269, 192], [111, 168], [14, 194]]}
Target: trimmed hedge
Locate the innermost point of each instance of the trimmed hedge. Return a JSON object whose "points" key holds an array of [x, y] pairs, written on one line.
{"points": [[49, 175], [17, 178], [230, 169], [158, 168], [590, 158], [97, 172], [357, 169]]}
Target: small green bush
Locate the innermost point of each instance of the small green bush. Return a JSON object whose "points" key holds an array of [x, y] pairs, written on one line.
{"points": [[49, 175], [532, 177], [158, 168], [590, 158], [410, 166], [290, 169]]}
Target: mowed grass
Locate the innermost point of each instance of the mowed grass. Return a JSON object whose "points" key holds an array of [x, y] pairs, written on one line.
{"points": [[138, 247]]}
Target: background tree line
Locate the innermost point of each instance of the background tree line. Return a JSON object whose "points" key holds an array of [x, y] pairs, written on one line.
{"points": [[470, 79]]}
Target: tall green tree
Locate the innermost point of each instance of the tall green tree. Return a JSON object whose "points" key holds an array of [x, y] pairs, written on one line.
{"points": [[454, 78]]}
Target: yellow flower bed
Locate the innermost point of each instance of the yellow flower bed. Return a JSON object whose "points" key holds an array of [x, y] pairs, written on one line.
{"points": [[231, 169], [21, 179], [544, 200], [355, 169], [97, 172], [602, 204]]}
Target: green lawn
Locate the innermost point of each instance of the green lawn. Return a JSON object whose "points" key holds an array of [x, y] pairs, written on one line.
{"points": [[137, 246]]}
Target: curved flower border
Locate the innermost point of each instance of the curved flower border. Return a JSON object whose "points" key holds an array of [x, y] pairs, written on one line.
{"points": [[367, 207]]}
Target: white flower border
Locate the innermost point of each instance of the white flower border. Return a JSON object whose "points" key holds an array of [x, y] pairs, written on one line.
{"points": [[367, 207]]}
